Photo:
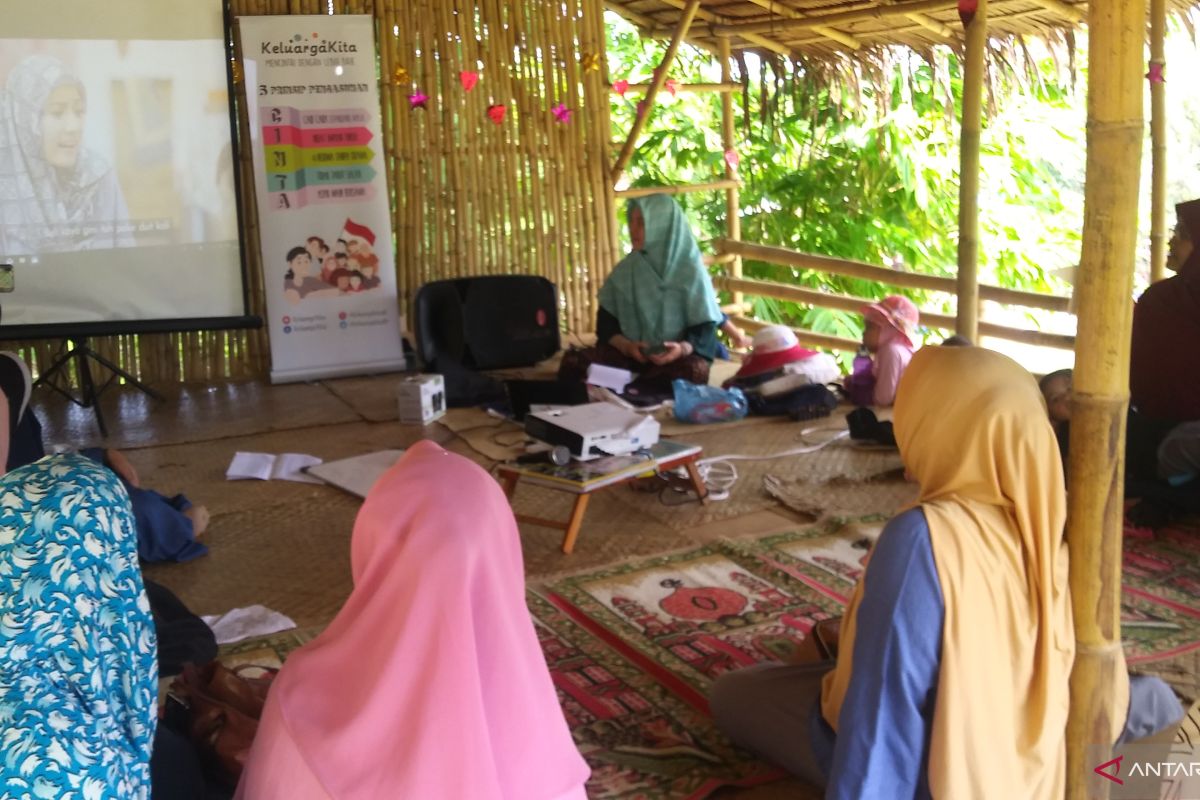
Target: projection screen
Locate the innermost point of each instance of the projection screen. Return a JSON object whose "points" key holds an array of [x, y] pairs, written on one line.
{"points": [[118, 208]]}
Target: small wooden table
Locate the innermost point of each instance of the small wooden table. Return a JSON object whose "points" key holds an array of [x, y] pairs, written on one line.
{"points": [[582, 478]]}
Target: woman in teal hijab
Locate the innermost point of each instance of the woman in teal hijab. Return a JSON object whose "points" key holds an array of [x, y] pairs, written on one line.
{"points": [[658, 313]]}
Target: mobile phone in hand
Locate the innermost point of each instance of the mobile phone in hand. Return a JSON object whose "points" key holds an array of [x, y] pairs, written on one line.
{"points": [[654, 349]]}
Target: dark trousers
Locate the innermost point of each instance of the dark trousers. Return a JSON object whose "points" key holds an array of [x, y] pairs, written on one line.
{"points": [[650, 377]]}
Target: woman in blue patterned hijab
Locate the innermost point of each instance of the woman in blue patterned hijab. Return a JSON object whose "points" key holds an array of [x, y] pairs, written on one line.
{"points": [[78, 675]]}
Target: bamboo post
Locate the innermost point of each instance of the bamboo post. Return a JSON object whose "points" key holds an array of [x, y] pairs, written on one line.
{"points": [[733, 206], [1101, 380], [968, 175], [660, 77], [1158, 139]]}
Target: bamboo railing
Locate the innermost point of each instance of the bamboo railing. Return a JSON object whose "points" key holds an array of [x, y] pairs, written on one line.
{"points": [[469, 197], [854, 269]]}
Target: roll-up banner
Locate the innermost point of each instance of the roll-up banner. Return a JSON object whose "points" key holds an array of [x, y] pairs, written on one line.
{"points": [[324, 221]]}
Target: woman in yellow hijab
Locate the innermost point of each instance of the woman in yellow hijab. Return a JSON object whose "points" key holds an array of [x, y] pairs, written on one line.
{"points": [[957, 646]]}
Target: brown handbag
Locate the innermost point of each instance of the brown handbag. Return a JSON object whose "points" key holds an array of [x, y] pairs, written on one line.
{"points": [[225, 708]]}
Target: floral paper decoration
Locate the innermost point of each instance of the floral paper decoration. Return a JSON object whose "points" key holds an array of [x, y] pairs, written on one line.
{"points": [[400, 76], [671, 85], [468, 79], [496, 113], [1155, 75], [733, 158], [621, 87], [590, 62], [561, 113], [966, 11], [418, 100]]}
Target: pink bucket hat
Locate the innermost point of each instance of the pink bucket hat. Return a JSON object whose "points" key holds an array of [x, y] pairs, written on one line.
{"points": [[774, 346], [895, 311]]}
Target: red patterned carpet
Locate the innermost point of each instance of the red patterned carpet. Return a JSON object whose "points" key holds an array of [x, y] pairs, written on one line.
{"points": [[634, 648]]}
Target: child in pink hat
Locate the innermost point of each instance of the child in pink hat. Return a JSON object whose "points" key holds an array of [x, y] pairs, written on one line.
{"points": [[890, 337]]}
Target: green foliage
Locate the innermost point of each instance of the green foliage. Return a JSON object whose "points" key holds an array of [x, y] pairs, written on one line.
{"points": [[864, 165]]}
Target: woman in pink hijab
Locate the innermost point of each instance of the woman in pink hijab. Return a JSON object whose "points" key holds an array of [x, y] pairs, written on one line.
{"points": [[430, 682]]}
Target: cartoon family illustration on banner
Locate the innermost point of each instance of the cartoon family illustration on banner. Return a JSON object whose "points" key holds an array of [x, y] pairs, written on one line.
{"points": [[317, 269]]}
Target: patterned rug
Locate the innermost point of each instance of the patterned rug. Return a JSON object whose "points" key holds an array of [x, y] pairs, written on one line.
{"points": [[634, 648]]}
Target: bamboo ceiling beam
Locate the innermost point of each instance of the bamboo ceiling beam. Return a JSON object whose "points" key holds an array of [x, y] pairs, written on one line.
{"points": [[808, 23], [715, 21], [685, 88], [790, 13], [660, 77], [974, 69], [932, 25], [685, 188], [910, 280], [1095, 497], [651, 28], [1158, 142], [1065, 10]]}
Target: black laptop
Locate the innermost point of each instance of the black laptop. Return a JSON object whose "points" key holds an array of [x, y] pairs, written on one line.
{"points": [[525, 393]]}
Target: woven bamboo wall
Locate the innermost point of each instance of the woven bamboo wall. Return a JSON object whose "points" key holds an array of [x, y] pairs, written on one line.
{"points": [[469, 197]]}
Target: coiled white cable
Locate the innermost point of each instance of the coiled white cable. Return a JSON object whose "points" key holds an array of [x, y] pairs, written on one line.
{"points": [[719, 474]]}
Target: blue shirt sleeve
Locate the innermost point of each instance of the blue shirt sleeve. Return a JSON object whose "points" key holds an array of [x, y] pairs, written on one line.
{"points": [[882, 745]]}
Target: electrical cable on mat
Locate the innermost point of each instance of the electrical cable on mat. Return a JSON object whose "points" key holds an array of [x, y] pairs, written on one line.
{"points": [[719, 473]]}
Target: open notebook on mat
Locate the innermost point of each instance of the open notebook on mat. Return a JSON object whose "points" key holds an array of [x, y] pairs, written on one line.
{"points": [[356, 474]]}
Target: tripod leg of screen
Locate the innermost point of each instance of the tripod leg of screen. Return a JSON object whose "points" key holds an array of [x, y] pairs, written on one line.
{"points": [[89, 394]]}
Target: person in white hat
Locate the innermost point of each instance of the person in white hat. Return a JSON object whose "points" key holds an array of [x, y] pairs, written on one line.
{"points": [[776, 350]]}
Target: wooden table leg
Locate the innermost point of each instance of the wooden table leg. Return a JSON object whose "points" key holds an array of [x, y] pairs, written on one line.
{"points": [[510, 483], [698, 482], [576, 520]]}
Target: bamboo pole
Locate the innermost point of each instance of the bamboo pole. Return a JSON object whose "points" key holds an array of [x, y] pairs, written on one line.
{"points": [[975, 65], [688, 88], [687, 188], [1158, 139], [805, 336], [1095, 498], [908, 280], [660, 77], [733, 202]]}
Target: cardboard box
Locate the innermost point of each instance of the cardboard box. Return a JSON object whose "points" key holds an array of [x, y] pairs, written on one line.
{"points": [[422, 399]]}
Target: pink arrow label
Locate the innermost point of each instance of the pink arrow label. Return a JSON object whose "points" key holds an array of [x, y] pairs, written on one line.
{"points": [[315, 137], [336, 194]]}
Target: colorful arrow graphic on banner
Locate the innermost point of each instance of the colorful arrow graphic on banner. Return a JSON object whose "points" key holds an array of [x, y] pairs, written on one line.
{"points": [[289, 201], [319, 176], [315, 137], [289, 158]]}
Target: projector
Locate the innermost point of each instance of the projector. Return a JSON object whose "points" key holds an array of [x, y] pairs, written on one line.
{"points": [[593, 430]]}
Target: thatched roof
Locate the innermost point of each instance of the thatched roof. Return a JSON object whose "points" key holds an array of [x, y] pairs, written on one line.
{"points": [[827, 28]]}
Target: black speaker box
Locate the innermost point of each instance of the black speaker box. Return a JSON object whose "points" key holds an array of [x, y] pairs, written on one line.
{"points": [[487, 322]]}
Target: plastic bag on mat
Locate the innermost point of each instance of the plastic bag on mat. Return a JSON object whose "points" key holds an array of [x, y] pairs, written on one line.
{"points": [[700, 404]]}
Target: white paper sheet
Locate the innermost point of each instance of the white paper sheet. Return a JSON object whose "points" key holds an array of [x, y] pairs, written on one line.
{"points": [[242, 623], [265, 467], [609, 377]]}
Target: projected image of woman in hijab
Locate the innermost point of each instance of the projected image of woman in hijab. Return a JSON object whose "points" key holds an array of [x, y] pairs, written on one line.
{"points": [[55, 193]]}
